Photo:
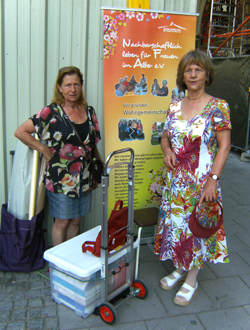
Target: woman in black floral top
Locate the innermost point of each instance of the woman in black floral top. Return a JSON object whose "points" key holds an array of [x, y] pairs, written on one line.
{"points": [[68, 179]]}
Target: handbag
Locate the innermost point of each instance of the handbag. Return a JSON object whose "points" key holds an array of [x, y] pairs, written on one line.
{"points": [[200, 231], [96, 168], [22, 242], [117, 224], [96, 165]]}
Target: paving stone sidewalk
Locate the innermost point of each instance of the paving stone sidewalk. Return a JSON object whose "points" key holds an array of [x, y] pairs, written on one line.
{"points": [[222, 302]]}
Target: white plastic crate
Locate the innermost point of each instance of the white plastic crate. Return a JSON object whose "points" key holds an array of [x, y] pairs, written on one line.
{"points": [[75, 276]]}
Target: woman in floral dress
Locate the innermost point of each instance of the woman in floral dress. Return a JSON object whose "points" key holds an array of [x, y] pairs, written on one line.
{"points": [[196, 144], [68, 180]]}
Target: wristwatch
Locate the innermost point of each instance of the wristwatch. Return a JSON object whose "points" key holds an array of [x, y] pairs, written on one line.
{"points": [[214, 176]]}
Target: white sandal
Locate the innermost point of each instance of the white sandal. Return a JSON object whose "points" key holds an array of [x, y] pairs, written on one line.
{"points": [[172, 283], [189, 296]]}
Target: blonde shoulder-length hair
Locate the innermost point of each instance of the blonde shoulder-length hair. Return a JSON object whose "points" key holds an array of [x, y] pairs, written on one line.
{"points": [[194, 57], [68, 70]]}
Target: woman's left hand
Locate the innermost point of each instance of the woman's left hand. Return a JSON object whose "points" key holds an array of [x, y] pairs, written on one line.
{"points": [[209, 192], [224, 146]]}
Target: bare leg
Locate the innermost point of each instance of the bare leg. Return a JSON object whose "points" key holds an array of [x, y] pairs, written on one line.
{"points": [[59, 231], [191, 280], [191, 276], [73, 228]]}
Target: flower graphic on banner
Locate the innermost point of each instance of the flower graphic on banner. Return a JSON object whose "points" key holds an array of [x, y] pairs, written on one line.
{"points": [[110, 35], [111, 24], [140, 17], [130, 14], [154, 15], [156, 185], [122, 17]]}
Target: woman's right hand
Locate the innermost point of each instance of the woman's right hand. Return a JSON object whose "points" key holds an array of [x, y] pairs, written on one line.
{"points": [[47, 153], [169, 159], [169, 156]]}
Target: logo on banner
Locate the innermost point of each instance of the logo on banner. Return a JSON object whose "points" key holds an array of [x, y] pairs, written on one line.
{"points": [[175, 29]]}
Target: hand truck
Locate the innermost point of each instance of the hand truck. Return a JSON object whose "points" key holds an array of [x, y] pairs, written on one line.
{"points": [[137, 288]]}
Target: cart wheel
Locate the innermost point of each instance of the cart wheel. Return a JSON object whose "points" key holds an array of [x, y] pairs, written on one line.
{"points": [[108, 313], [139, 284]]}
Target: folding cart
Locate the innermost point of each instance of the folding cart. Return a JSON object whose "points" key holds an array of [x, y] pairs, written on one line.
{"points": [[89, 284], [137, 288]]}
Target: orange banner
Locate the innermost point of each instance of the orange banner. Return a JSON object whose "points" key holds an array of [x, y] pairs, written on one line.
{"points": [[141, 52]]}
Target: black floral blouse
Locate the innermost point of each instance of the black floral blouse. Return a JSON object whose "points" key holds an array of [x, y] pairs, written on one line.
{"points": [[68, 169]]}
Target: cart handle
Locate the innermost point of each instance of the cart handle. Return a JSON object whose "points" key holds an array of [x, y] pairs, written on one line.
{"points": [[105, 170]]}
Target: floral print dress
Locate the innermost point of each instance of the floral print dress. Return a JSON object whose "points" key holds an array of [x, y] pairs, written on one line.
{"points": [[194, 145], [68, 169]]}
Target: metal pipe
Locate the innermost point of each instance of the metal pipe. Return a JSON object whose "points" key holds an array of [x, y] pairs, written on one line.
{"points": [[233, 33], [229, 33], [33, 187]]}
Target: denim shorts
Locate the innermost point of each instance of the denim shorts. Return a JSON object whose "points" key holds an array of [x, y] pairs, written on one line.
{"points": [[66, 207]]}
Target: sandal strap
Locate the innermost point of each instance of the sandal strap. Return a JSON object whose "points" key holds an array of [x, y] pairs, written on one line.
{"points": [[189, 294], [172, 282], [177, 275], [189, 287]]}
